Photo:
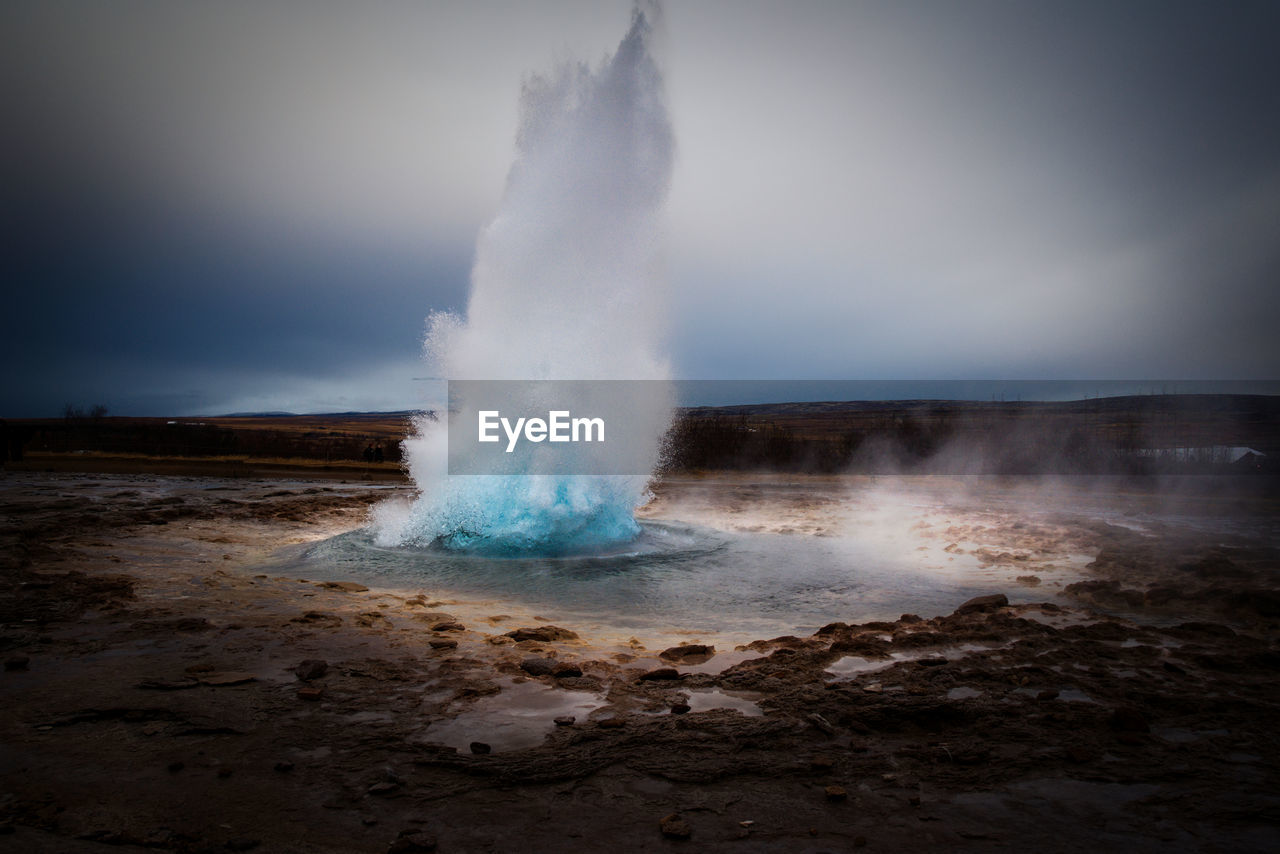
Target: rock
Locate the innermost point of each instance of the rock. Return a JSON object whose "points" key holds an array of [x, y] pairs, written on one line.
{"points": [[612, 723], [175, 767], [311, 668], [910, 619], [836, 793], [1106, 593], [821, 723], [329, 620], [383, 789], [477, 689], [284, 767], [310, 694], [242, 844], [443, 643], [449, 626], [167, 684], [675, 827], [1128, 719], [932, 661], [538, 666], [1255, 600], [567, 671], [480, 748], [680, 708], [581, 683], [1159, 596], [413, 842], [344, 586], [690, 653], [1198, 630], [435, 617], [983, 604], [660, 674], [874, 688], [227, 677], [1080, 753], [16, 662], [188, 624], [1046, 695], [822, 763], [565, 720], [1029, 580], [224, 773], [161, 837], [546, 634]]}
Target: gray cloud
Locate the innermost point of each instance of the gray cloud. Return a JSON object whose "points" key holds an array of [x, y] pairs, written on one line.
{"points": [[979, 188], [229, 203]]}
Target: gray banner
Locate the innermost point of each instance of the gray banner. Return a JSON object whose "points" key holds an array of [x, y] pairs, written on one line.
{"points": [[557, 427]]}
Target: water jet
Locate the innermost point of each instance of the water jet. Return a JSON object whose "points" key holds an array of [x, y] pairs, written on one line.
{"points": [[566, 285]]}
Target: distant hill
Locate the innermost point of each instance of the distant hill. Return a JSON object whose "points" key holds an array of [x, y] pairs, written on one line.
{"points": [[1126, 434], [401, 413], [1123, 434]]}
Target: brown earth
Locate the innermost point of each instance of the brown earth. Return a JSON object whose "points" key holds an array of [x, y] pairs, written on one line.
{"points": [[161, 693]]}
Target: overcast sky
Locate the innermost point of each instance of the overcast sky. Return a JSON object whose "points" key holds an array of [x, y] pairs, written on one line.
{"points": [[233, 206]]}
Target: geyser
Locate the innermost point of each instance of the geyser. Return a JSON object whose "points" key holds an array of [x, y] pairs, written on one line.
{"points": [[566, 286]]}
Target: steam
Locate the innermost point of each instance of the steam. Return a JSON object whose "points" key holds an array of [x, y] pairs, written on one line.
{"points": [[566, 285]]}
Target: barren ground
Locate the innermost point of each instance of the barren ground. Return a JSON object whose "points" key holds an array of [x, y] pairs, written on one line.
{"points": [[152, 696]]}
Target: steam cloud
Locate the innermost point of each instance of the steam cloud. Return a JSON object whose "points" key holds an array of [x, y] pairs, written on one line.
{"points": [[567, 284]]}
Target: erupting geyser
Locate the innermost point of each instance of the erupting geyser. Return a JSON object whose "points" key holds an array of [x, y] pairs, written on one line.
{"points": [[566, 286]]}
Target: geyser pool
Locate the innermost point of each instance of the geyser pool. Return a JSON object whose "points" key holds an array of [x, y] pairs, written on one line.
{"points": [[672, 577]]}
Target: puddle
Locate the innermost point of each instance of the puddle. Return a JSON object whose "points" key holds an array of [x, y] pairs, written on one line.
{"points": [[854, 665], [963, 693], [718, 663], [1067, 695], [1166, 643], [1074, 695], [714, 698], [516, 718]]}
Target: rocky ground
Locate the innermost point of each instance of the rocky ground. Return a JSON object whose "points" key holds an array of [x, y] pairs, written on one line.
{"points": [[161, 694]]}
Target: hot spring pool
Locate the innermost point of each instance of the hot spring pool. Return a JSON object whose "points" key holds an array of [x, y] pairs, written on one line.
{"points": [[673, 577]]}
